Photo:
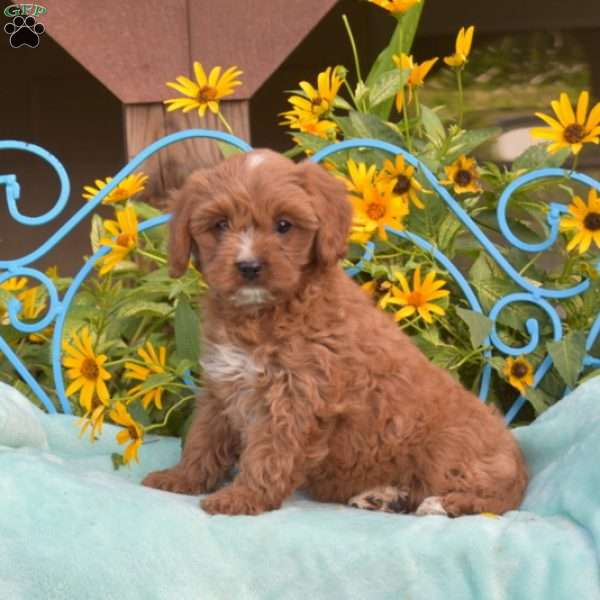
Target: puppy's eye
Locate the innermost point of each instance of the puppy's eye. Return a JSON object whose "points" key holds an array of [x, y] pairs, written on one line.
{"points": [[221, 225], [283, 226]]}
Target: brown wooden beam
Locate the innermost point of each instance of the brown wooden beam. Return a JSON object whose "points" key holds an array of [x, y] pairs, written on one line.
{"points": [[146, 123]]}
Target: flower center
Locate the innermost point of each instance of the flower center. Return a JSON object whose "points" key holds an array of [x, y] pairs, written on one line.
{"points": [[574, 133], [317, 101], [123, 240], [119, 193], [518, 370], [416, 299], [207, 93], [381, 287], [375, 211], [463, 177], [133, 432], [402, 185], [592, 221], [89, 369]]}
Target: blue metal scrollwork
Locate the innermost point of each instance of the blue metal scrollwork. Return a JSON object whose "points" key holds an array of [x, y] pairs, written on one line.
{"points": [[58, 307]]}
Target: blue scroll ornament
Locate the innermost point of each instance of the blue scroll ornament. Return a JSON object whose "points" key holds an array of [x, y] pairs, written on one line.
{"points": [[58, 307]]}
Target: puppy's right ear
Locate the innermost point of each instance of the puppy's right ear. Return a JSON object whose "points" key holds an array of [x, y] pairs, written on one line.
{"points": [[182, 205], [180, 239]]}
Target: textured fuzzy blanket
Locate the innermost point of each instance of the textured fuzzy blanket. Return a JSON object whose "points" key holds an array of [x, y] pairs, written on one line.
{"points": [[71, 527]]}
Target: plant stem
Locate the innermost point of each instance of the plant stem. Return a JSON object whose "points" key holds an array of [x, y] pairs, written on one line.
{"points": [[224, 121], [530, 263], [461, 107], [349, 90], [353, 44], [418, 111], [573, 166], [158, 259], [168, 414], [406, 125]]}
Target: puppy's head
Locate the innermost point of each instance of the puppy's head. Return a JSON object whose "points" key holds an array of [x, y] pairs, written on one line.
{"points": [[256, 224]]}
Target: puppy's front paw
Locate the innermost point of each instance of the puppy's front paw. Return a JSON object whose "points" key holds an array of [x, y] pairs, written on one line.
{"points": [[172, 480], [233, 500]]}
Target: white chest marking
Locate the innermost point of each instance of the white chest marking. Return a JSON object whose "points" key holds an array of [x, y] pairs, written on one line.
{"points": [[227, 363]]}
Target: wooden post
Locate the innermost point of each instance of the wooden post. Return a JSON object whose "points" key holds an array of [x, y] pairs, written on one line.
{"points": [[145, 123]]}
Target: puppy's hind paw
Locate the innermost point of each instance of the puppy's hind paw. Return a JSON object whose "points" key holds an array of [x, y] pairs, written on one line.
{"points": [[431, 506], [388, 499]]}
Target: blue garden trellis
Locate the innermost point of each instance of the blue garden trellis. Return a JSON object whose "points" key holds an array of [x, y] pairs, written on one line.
{"points": [[58, 307]]}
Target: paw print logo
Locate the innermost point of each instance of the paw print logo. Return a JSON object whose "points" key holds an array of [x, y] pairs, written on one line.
{"points": [[24, 32]]}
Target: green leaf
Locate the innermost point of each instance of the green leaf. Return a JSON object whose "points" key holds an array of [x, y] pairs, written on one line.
{"points": [[363, 125], [160, 309], [342, 104], [227, 149], [156, 380], [96, 233], [401, 41], [117, 461], [497, 364], [537, 157], [387, 86], [433, 125], [479, 325], [538, 399], [186, 331], [567, 355], [468, 141], [446, 234], [145, 211]]}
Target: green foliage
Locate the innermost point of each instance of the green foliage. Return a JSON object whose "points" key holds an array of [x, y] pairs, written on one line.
{"points": [[456, 339]]}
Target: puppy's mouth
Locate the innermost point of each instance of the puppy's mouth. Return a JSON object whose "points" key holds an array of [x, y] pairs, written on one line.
{"points": [[251, 296]]}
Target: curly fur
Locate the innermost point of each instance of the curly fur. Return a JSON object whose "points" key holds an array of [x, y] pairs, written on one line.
{"points": [[307, 384]]}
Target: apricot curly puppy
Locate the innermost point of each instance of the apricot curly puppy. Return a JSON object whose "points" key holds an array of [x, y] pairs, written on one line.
{"points": [[307, 384]]}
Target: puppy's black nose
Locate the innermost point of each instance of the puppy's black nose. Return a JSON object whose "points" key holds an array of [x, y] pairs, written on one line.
{"points": [[249, 269]]}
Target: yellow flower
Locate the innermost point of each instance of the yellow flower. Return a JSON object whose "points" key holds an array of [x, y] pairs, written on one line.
{"points": [[463, 175], [308, 123], [416, 77], [32, 307], [130, 186], [125, 232], [406, 185], [585, 220], [378, 289], [464, 39], [320, 100], [395, 6], [519, 372], [86, 370], [572, 130], [377, 207], [155, 363], [14, 284], [419, 299], [93, 418], [133, 432], [205, 92], [360, 177]]}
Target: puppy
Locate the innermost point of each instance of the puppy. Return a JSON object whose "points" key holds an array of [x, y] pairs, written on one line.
{"points": [[307, 385]]}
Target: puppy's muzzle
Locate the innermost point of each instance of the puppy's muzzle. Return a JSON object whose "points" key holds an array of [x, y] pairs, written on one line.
{"points": [[249, 269]]}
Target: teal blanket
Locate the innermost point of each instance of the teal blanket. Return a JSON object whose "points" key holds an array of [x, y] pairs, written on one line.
{"points": [[71, 528]]}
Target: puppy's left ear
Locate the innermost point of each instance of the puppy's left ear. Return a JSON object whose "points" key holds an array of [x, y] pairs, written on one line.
{"points": [[333, 210]]}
